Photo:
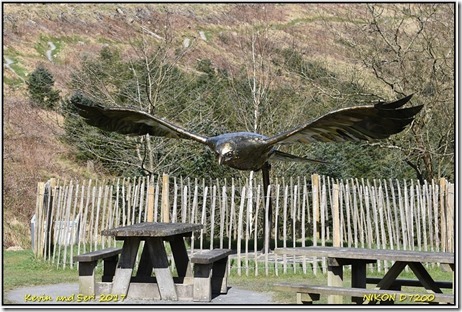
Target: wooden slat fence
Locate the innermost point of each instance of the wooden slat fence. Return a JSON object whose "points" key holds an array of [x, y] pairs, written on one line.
{"points": [[70, 216]]}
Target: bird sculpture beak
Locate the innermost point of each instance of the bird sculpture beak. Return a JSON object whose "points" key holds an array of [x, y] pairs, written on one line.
{"points": [[220, 160]]}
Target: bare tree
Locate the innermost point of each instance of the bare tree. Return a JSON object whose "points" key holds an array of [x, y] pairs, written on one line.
{"points": [[409, 48]]}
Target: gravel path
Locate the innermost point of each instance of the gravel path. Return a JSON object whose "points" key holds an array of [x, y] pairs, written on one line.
{"points": [[50, 51], [47, 294]]}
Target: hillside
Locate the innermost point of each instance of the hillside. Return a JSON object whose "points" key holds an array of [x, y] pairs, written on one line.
{"points": [[60, 36]]}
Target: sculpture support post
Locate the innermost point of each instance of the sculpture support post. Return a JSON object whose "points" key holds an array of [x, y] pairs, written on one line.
{"points": [[266, 182]]}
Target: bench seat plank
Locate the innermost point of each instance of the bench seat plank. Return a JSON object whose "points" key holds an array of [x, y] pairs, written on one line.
{"points": [[98, 254], [356, 292], [210, 256]]}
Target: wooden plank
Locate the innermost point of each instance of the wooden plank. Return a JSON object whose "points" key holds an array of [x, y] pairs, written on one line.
{"points": [[58, 216], [362, 215], [316, 191], [65, 228], [276, 232], [248, 218], [267, 227], [442, 215], [336, 242], [98, 254], [239, 230], [450, 216], [435, 208], [389, 218], [123, 192], [111, 212], [356, 217], [116, 208], [294, 224], [323, 224], [210, 256], [73, 232], [255, 236], [284, 231], [231, 215], [212, 215], [184, 204], [380, 206], [103, 213], [348, 214], [98, 208], [223, 210], [153, 229], [203, 216], [354, 292], [371, 254], [175, 200], [53, 217], [156, 201]]}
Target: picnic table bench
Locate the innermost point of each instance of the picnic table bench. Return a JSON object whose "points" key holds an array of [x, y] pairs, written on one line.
{"points": [[197, 277], [389, 285], [210, 273], [307, 294], [87, 265]]}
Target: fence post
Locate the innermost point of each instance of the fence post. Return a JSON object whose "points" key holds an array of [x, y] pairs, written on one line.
{"points": [[38, 217], [150, 213], [336, 241], [443, 214], [450, 215], [335, 274], [165, 199], [316, 192]]}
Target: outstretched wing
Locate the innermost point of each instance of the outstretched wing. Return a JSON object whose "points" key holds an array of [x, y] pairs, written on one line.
{"points": [[357, 123], [129, 121]]}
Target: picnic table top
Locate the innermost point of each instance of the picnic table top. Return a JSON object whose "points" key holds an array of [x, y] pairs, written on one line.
{"points": [[369, 254], [152, 229]]}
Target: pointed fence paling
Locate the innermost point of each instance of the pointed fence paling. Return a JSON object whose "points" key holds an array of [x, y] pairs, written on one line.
{"points": [[391, 214]]}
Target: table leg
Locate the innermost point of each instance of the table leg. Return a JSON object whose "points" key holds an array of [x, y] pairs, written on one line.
{"points": [[391, 275], [358, 278], [145, 266], [159, 262], [180, 256], [423, 276], [123, 273], [334, 278]]}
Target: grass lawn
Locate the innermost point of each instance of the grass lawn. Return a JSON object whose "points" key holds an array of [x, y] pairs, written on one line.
{"points": [[21, 268]]}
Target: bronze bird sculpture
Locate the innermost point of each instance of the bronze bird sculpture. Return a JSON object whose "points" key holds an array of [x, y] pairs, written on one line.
{"points": [[253, 151]]}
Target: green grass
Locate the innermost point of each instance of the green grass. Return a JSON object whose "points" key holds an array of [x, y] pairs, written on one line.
{"points": [[22, 268]]}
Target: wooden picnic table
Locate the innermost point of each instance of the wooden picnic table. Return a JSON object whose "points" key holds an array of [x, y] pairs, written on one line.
{"points": [[358, 258], [153, 257]]}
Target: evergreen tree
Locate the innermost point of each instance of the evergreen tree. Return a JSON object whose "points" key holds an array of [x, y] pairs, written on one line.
{"points": [[41, 90]]}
